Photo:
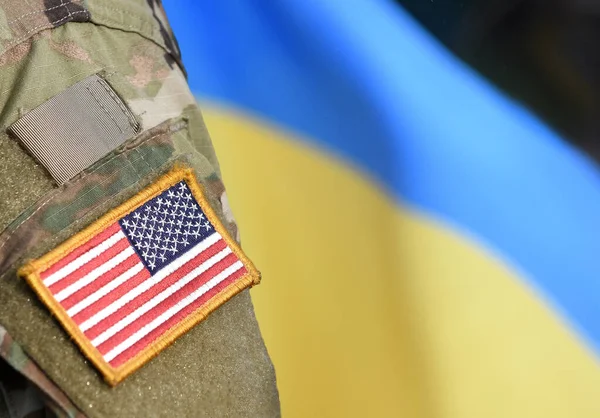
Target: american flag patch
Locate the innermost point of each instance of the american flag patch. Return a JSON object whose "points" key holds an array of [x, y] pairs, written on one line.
{"points": [[145, 273]]}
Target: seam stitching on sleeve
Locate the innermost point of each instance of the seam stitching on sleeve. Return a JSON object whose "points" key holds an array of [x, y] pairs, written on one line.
{"points": [[62, 3], [48, 24], [104, 109], [119, 102]]}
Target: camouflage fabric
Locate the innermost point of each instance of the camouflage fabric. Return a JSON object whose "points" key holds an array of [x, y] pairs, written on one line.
{"points": [[221, 367]]}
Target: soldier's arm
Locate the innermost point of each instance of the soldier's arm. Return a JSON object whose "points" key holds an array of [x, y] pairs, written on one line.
{"points": [[97, 121]]}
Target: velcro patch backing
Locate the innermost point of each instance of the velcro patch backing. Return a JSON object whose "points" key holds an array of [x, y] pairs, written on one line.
{"points": [[142, 275], [76, 128]]}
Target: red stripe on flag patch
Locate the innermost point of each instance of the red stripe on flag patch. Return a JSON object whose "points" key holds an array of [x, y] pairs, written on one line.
{"points": [[159, 307], [138, 296], [115, 294], [143, 274], [175, 319], [102, 281]]}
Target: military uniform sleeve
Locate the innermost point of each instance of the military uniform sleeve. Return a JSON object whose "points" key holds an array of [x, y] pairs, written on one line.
{"points": [[95, 114]]}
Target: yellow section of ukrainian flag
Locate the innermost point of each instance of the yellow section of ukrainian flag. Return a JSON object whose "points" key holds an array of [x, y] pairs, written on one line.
{"points": [[369, 309]]}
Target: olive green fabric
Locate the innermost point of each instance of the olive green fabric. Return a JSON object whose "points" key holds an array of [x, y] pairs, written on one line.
{"points": [[23, 180], [219, 368]]}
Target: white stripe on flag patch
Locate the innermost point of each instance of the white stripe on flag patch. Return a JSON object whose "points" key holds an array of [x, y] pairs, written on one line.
{"points": [[83, 259], [152, 303], [146, 329], [157, 278], [94, 274], [103, 291]]}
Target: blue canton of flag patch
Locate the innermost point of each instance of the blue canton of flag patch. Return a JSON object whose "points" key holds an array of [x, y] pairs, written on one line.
{"points": [[166, 227]]}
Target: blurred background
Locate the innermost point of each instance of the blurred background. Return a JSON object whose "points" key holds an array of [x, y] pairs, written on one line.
{"points": [[418, 183]]}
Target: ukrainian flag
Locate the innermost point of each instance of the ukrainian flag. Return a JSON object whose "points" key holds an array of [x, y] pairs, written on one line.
{"points": [[429, 248]]}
